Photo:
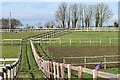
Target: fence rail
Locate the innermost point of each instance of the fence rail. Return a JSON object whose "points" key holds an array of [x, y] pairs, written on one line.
{"points": [[80, 41], [87, 29], [57, 70], [10, 41], [10, 72], [4, 60], [85, 60]]}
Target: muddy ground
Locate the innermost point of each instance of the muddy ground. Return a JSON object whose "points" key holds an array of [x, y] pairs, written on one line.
{"points": [[70, 51], [77, 51]]}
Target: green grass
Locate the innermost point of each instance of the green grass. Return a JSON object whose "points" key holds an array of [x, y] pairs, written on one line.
{"points": [[111, 70], [9, 51], [28, 67], [19, 35], [78, 42], [41, 51], [90, 35]]}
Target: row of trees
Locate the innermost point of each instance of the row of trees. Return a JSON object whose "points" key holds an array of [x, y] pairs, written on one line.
{"points": [[71, 16], [7, 23], [79, 15]]}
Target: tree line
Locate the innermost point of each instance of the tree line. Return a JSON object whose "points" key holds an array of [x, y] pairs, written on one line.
{"points": [[79, 15], [12, 23], [69, 15]]}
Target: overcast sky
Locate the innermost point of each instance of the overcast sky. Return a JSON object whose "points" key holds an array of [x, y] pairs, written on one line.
{"points": [[34, 12]]}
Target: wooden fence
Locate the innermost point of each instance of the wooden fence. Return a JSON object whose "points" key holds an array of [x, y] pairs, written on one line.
{"points": [[57, 70], [85, 58], [11, 41], [4, 60], [9, 72], [85, 29], [79, 41], [95, 29], [48, 34], [30, 30]]}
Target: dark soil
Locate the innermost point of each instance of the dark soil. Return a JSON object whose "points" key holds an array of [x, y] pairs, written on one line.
{"points": [[76, 51]]}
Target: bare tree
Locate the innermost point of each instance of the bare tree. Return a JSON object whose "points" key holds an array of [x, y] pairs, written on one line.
{"points": [[68, 17], [96, 15], [49, 24], [61, 14], [115, 24], [14, 23], [74, 14], [102, 13], [81, 15], [88, 15], [39, 25]]}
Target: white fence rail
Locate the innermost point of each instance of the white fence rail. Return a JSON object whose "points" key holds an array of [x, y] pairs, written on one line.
{"points": [[85, 60], [87, 29], [57, 70], [4, 60], [77, 40], [10, 41], [9, 72]]}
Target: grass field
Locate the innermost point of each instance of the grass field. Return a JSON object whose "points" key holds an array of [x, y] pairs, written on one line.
{"points": [[76, 50], [29, 69], [19, 35], [13, 51], [90, 35], [9, 51]]}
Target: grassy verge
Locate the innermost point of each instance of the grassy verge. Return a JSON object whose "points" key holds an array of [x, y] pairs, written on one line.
{"points": [[28, 67]]}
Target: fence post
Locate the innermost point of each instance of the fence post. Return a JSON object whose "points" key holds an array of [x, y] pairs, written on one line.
{"points": [[69, 71], [54, 67], [64, 60], [79, 72], [110, 41], [60, 41], [12, 42], [62, 70], [38, 41], [12, 73], [104, 61], [85, 61], [50, 40], [70, 41], [58, 75], [51, 69], [90, 41], [4, 73], [41, 41], [95, 74], [118, 76], [79, 41], [100, 40], [48, 69], [9, 72], [4, 62]]}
